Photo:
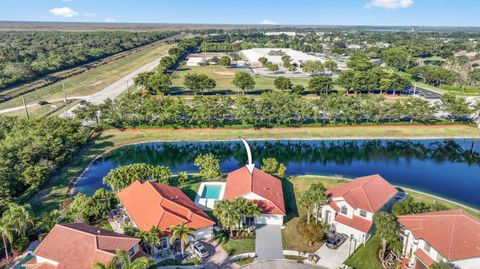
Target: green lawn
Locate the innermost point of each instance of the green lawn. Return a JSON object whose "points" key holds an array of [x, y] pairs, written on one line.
{"points": [[365, 257], [238, 246], [292, 189], [224, 76], [89, 82]]}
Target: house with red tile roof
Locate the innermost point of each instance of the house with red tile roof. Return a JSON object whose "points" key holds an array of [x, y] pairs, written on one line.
{"points": [[451, 236], [351, 206], [78, 245], [260, 188], [149, 204]]}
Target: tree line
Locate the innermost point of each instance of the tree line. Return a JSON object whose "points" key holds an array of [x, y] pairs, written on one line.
{"points": [[31, 150], [270, 109], [27, 55]]}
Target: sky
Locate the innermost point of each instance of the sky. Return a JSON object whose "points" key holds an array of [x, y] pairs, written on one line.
{"points": [[284, 12]]}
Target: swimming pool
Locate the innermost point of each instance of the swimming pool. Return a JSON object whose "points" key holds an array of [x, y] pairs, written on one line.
{"points": [[208, 194], [211, 191], [25, 260]]}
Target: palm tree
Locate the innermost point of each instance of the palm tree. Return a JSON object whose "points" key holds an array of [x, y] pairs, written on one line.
{"points": [[7, 230], [386, 228], [150, 238], [228, 214], [307, 199], [123, 261], [180, 232], [250, 209], [20, 217]]}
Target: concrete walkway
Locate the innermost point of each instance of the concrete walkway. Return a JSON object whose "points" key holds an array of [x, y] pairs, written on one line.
{"points": [[268, 242], [281, 264], [218, 257]]}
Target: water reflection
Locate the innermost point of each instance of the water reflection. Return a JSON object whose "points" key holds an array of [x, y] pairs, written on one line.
{"points": [[450, 168]]}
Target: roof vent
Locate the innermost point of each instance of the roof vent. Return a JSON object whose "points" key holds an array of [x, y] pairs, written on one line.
{"points": [[99, 232]]}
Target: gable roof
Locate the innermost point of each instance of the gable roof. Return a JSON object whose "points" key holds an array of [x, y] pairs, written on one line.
{"points": [[453, 233], [78, 245], [240, 182], [369, 193], [357, 223], [153, 204]]}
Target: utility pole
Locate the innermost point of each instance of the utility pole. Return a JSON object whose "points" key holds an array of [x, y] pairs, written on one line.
{"points": [[64, 92], [25, 107], [128, 91]]}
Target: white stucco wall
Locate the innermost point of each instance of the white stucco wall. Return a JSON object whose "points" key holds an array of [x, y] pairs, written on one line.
{"points": [[468, 263], [269, 219], [359, 236], [203, 233], [45, 260]]}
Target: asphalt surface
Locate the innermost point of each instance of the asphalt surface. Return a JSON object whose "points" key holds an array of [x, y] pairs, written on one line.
{"points": [[268, 242], [115, 89], [427, 94]]}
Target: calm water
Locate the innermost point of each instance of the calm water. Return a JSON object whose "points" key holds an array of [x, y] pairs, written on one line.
{"points": [[449, 168]]}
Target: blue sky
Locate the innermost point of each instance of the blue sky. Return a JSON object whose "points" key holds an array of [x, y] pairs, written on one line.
{"points": [[314, 12]]}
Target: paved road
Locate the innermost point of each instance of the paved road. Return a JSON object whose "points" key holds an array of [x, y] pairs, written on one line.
{"points": [[427, 94], [115, 89], [268, 242], [281, 264], [12, 109]]}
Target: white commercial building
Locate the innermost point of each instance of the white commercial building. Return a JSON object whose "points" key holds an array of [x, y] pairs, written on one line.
{"points": [[252, 55]]}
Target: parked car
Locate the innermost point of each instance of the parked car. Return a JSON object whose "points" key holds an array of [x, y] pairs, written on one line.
{"points": [[200, 250], [43, 102], [334, 241]]}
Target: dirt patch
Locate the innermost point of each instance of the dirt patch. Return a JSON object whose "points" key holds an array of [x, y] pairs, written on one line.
{"points": [[225, 73]]}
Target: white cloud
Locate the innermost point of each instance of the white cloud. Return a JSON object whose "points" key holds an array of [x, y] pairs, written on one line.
{"points": [[65, 12], [268, 22], [390, 4], [110, 20], [89, 14]]}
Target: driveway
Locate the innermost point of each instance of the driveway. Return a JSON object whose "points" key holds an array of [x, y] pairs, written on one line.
{"points": [[268, 242], [333, 258], [281, 264], [218, 257]]}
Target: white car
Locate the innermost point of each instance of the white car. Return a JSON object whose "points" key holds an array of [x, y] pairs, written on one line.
{"points": [[200, 250]]}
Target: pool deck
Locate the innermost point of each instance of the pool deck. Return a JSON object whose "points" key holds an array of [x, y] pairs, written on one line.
{"points": [[207, 204]]}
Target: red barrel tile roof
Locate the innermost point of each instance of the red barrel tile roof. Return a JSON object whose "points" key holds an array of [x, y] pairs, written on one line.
{"points": [[78, 245], [358, 223], [240, 182], [370, 193], [453, 233], [424, 258], [153, 204]]}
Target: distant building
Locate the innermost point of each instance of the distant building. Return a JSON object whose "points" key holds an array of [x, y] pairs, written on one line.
{"points": [[280, 33], [351, 206], [261, 188], [152, 204], [252, 55], [451, 236], [78, 245], [196, 61]]}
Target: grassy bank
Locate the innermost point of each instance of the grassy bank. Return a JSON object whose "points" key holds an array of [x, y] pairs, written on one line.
{"points": [[86, 83], [54, 193]]}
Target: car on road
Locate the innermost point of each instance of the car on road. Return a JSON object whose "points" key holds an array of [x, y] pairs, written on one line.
{"points": [[200, 250], [43, 102], [335, 240]]}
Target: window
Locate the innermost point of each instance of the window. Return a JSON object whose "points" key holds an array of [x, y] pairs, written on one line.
{"points": [[427, 247], [363, 213], [163, 243], [344, 210], [131, 252]]}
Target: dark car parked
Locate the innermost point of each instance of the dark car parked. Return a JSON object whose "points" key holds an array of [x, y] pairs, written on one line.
{"points": [[334, 241]]}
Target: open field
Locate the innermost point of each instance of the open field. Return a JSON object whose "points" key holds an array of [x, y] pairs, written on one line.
{"points": [[224, 76], [88, 83], [55, 191]]}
